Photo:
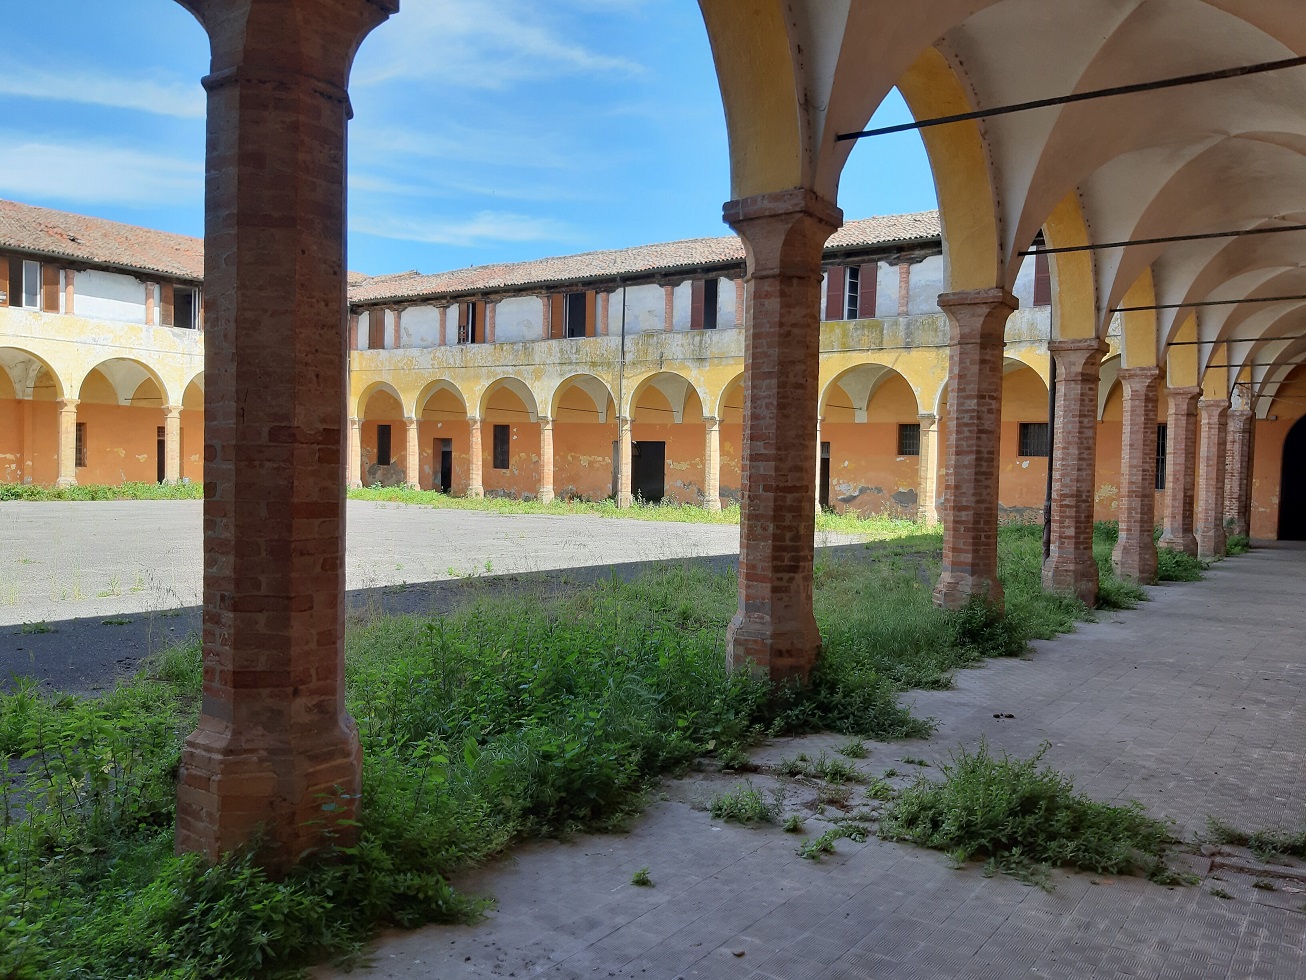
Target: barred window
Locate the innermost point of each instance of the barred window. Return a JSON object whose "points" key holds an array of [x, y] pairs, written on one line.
{"points": [[1162, 434], [383, 449], [1033, 439], [502, 434], [909, 439]]}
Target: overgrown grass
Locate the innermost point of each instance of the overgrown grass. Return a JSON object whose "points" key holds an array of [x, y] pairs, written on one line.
{"points": [[1267, 845], [521, 716], [98, 491], [1019, 815]]}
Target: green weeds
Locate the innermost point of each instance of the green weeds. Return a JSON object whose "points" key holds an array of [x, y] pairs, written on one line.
{"points": [[1267, 845], [1014, 812], [95, 491], [745, 804]]}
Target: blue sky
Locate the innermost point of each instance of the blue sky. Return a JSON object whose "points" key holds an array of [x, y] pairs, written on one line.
{"points": [[484, 130]]}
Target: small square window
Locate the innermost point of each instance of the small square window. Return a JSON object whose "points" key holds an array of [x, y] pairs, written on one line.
{"points": [[502, 435], [383, 446], [1162, 440], [909, 439], [1033, 439]]}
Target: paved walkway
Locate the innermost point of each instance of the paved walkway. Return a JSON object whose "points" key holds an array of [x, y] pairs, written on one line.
{"points": [[1191, 704]]}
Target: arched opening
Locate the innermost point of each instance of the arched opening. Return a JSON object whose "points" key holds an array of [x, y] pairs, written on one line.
{"points": [[192, 431], [1292, 492], [443, 438], [121, 430], [1025, 444], [668, 441], [584, 436], [29, 419], [870, 443], [383, 438], [731, 413], [510, 440]]}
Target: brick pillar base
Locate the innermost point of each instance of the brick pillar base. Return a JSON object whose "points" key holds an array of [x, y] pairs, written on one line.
{"points": [[712, 465], [545, 492], [1180, 469], [1070, 566], [1210, 534], [1237, 498], [978, 320], [1134, 557], [67, 442], [475, 459], [774, 631], [275, 753], [927, 471]]}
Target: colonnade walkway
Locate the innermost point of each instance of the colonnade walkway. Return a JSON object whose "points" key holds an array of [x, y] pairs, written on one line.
{"points": [[1191, 704]]}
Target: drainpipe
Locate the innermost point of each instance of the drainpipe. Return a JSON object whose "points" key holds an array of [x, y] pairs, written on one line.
{"points": [[1052, 439]]}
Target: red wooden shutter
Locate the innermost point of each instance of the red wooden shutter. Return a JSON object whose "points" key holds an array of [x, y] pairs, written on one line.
{"points": [[834, 293], [49, 287], [353, 331], [376, 329], [557, 316], [463, 334], [4, 280], [1042, 280], [165, 313], [591, 313], [478, 323], [696, 291], [867, 280]]}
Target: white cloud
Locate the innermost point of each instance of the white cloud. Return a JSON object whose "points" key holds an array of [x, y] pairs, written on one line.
{"points": [[95, 172], [481, 228], [163, 98], [479, 44]]}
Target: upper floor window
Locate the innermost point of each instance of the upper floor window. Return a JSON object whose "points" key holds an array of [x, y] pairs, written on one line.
{"points": [[851, 296], [32, 285], [31, 289], [1042, 274], [575, 313], [186, 305], [703, 294], [850, 291], [469, 323]]}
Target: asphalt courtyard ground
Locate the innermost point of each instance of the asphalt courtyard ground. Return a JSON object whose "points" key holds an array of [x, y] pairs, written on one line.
{"points": [[1192, 704], [89, 587]]}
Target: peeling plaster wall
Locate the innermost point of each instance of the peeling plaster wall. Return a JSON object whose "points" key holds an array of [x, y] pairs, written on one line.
{"points": [[109, 296], [725, 304], [519, 319], [928, 279], [645, 310], [419, 327]]}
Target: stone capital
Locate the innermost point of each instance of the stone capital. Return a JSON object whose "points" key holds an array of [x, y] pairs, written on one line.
{"points": [[1183, 401], [410, 421], [172, 411], [1139, 377], [1079, 358], [977, 315], [783, 232], [711, 421], [68, 404], [1213, 406]]}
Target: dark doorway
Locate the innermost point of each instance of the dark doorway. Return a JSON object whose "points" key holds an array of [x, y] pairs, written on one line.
{"points": [[823, 487], [444, 451], [162, 453], [1292, 494], [648, 464]]}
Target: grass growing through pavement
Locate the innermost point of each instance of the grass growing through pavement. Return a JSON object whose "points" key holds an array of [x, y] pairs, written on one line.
{"points": [[1021, 817], [515, 717]]}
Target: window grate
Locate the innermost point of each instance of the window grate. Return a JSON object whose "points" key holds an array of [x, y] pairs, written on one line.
{"points": [[502, 434], [1033, 439], [909, 439], [1162, 440]]}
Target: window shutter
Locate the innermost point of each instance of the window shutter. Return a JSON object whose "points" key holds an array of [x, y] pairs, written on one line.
{"points": [[834, 293], [696, 289], [4, 281], [165, 304], [49, 287], [463, 334], [557, 317], [376, 329], [478, 322], [1042, 280], [591, 313], [867, 279]]}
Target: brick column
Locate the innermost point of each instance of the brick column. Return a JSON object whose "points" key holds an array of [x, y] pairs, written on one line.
{"points": [[545, 494], [604, 303], [1210, 534], [1134, 557], [354, 460], [67, 442], [1180, 469], [491, 315], [274, 743], [741, 302], [668, 307], [774, 631], [928, 468], [1070, 566], [978, 319], [412, 455], [475, 459], [624, 497], [1238, 462], [712, 465], [171, 443]]}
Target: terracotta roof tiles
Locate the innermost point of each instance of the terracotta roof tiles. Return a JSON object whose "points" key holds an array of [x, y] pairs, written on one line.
{"points": [[96, 241]]}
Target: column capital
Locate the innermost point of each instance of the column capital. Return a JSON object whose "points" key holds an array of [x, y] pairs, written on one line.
{"points": [[545, 420], [68, 404], [783, 232], [172, 411], [474, 419], [1078, 359], [410, 420], [977, 316], [711, 421], [1183, 400], [1139, 377], [991, 297], [355, 421], [1213, 406], [1243, 416], [927, 420]]}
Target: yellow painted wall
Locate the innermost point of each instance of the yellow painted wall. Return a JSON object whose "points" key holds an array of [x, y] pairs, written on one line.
{"points": [[1022, 481]]}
